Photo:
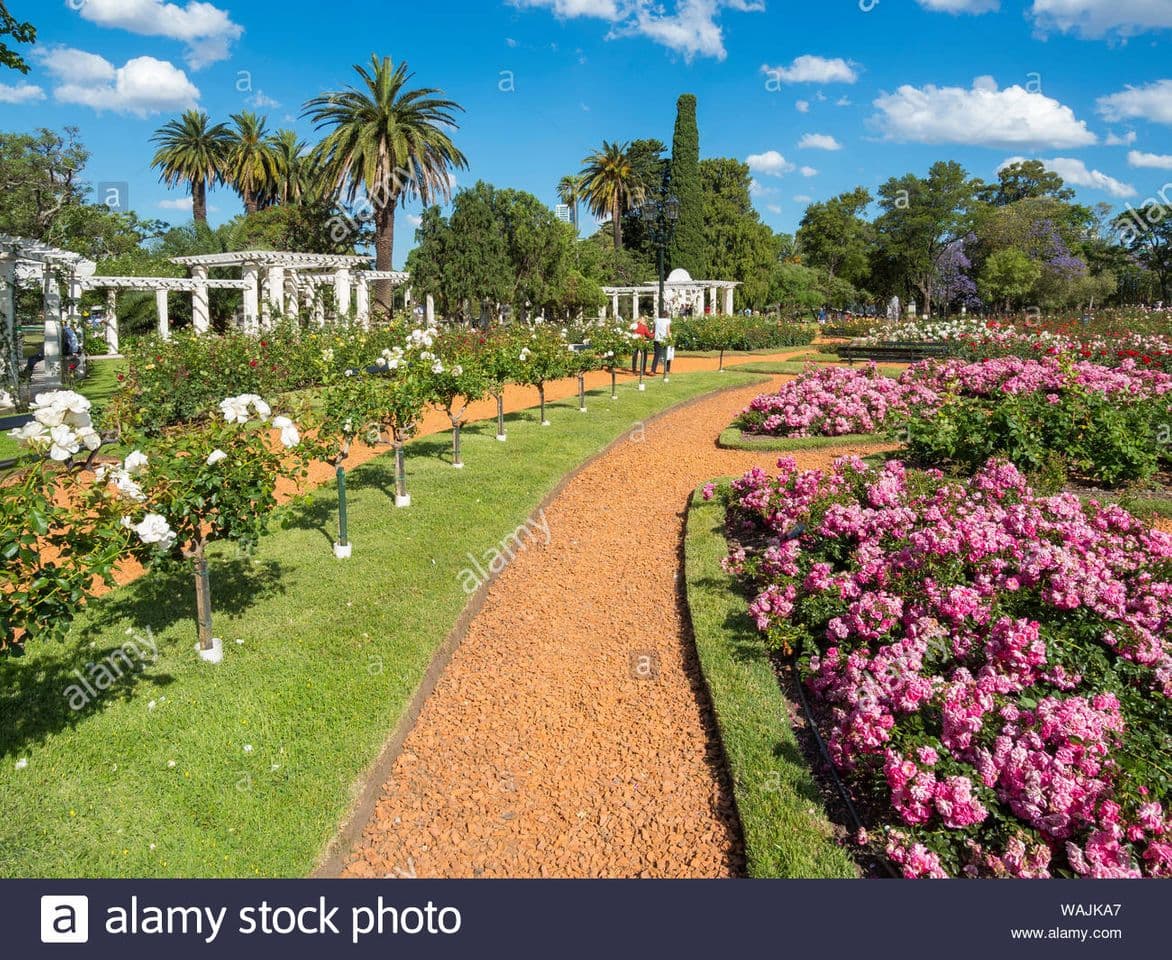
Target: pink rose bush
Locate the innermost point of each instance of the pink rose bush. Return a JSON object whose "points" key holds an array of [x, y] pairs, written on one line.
{"points": [[992, 668], [833, 402]]}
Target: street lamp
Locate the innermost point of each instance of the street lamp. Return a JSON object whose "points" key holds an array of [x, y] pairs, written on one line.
{"points": [[661, 215]]}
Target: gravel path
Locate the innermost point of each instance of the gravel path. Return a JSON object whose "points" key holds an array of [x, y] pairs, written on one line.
{"points": [[569, 736]]}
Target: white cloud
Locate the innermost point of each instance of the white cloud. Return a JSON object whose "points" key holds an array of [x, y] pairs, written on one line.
{"points": [[802, 198], [818, 141], [960, 6], [415, 220], [1077, 174], [143, 86], [24, 93], [1150, 161], [758, 189], [691, 29], [207, 30], [808, 172], [803, 106], [980, 116], [773, 207], [184, 204], [809, 68], [1096, 18], [1151, 102], [262, 101], [843, 102], [769, 164], [1114, 140]]}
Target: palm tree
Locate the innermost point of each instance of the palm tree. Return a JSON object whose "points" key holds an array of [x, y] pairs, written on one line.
{"points": [[612, 184], [570, 193], [192, 152], [390, 143], [252, 161], [292, 167]]}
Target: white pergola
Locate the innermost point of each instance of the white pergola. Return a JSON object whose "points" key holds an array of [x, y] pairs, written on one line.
{"points": [[275, 282], [680, 292], [28, 261]]}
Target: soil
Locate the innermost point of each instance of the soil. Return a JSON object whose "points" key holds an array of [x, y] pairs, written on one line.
{"points": [[570, 735]]}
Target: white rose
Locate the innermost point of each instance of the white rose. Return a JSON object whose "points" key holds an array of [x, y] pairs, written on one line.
{"points": [[437, 368], [263, 410], [64, 443], [215, 457], [90, 438], [127, 487], [155, 529], [135, 463], [289, 435], [235, 410], [457, 370], [33, 434]]}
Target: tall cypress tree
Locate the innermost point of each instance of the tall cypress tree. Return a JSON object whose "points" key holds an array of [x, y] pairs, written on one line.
{"points": [[687, 248]]}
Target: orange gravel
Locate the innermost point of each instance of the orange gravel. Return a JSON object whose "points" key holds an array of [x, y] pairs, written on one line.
{"points": [[569, 736]]}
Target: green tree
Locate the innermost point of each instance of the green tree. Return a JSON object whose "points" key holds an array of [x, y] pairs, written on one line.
{"points": [[570, 193], [921, 216], [251, 164], [740, 247], [1008, 277], [612, 185], [41, 176], [835, 235], [293, 181], [192, 152], [1026, 180], [389, 142], [20, 33], [1149, 241], [687, 248]]}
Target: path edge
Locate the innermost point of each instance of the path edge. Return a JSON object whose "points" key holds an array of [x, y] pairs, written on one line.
{"points": [[337, 851]]}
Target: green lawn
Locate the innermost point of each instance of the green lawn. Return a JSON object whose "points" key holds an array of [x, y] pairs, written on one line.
{"points": [[331, 653], [734, 439], [786, 830]]}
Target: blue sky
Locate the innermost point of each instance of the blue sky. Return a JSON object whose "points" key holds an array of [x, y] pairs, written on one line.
{"points": [[819, 97]]}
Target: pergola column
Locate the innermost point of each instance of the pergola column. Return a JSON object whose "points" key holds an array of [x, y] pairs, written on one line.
{"points": [[342, 292], [634, 307], [614, 306], [276, 282], [728, 300], [250, 272], [655, 301], [293, 292], [201, 310], [111, 327], [52, 302], [162, 307], [8, 322], [362, 303], [430, 310]]}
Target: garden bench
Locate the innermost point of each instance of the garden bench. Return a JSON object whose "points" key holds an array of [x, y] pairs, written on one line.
{"points": [[892, 351]]}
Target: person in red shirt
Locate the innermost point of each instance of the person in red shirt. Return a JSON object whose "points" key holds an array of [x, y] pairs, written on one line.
{"points": [[640, 329]]}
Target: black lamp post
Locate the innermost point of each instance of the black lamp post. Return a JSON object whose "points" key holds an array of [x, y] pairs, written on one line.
{"points": [[661, 214]]}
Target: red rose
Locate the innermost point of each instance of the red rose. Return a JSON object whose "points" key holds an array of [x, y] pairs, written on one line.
{"points": [[252, 363]]}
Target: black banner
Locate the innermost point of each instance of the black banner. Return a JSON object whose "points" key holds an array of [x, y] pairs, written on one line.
{"points": [[589, 919]]}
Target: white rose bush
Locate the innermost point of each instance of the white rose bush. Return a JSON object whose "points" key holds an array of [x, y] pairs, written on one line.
{"points": [[214, 480], [59, 540]]}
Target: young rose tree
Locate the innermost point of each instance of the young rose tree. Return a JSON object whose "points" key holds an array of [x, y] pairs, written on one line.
{"points": [[209, 481], [404, 375], [59, 538], [351, 410], [609, 344], [544, 356], [459, 378], [500, 360]]}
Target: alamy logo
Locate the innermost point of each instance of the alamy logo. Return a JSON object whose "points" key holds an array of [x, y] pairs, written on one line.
{"points": [[65, 919]]}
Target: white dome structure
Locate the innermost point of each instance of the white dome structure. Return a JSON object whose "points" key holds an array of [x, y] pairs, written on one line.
{"points": [[679, 275]]}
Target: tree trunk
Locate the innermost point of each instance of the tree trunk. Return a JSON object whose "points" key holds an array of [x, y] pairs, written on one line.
{"points": [[251, 205], [617, 220], [384, 245], [199, 202], [203, 600]]}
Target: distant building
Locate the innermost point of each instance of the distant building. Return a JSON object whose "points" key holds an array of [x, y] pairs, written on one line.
{"points": [[565, 213]]}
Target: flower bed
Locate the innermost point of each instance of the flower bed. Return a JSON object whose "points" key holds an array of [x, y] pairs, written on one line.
{"points": [[991, 667], [831, 402]]}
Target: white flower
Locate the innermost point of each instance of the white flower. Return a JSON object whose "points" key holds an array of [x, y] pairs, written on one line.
{"points": [[170, 763], [22, 763], [235, 410], [32, 434], [127, 487], [328, 355], [248, 748], [5, 399], [263, 410], [437, 368], [215, 457], [457, 370], [289, 435], [64, 443], [155, 529], [135, 463]]}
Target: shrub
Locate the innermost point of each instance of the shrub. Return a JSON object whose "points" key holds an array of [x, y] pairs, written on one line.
{"points": [[991, 668], [718, 332]]}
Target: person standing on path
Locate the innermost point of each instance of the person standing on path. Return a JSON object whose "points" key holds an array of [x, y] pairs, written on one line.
{"points": [[643, 332], [662, 342]]}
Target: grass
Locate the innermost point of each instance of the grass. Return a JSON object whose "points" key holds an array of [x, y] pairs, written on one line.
{"points": [[786, 830], [794, 368], [734, 439], [332, 652]]}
